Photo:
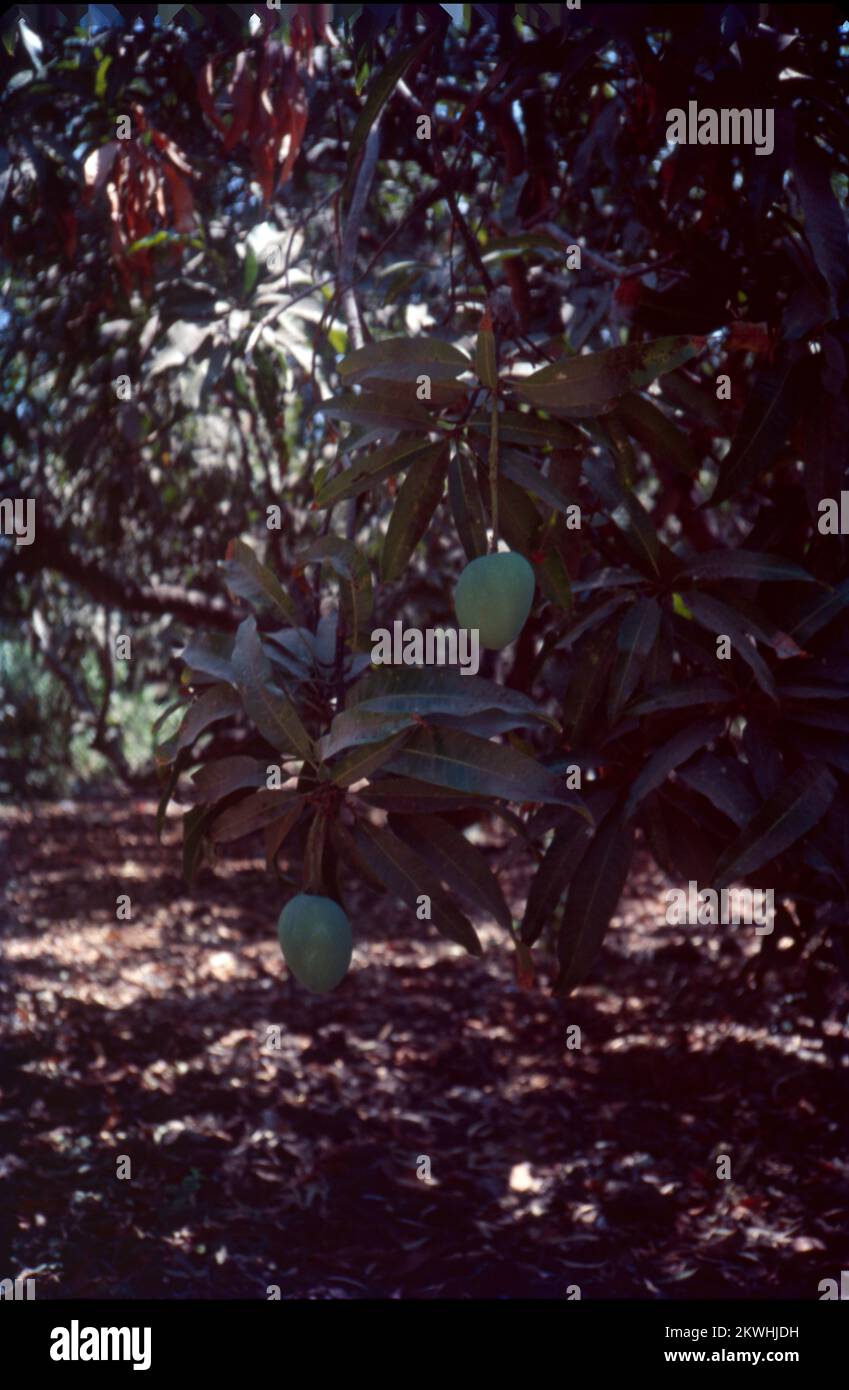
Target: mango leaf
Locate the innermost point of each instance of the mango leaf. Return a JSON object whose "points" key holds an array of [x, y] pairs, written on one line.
{"points": [[355, 727], [768, 415], [427, 691], [794, 809], [626, 513], [379, 93], [279, 830], [596, 613], [352, 568], [607, 578], [408, 876], [457, 863], [267, 707], [744, 564], [201, 656], [552, 878], [717, 617], [466, 505], [168, 791], [590, 382], [217, 702], [819, 612], [404, 359], [414, 506], [661, 439], [522, 470], [681, 695], [251, 580], [825, 221], [593, 897], [381, 411], [527, 427], [252, 813], [679, 749], [725, 783], [216, 780], [365, 759], [455, 759], [407, 796], [194, 822], [637, 633], [585, 692], [373, 468]]}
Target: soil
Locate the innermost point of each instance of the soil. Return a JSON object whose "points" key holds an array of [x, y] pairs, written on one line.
{"points": [[142, 1048]]}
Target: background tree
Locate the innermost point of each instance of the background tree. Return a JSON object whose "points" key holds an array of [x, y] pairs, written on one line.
{"points": [[149, 259]]}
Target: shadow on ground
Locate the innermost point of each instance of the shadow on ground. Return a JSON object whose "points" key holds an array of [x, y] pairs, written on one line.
{"points": [[296, 1166]]}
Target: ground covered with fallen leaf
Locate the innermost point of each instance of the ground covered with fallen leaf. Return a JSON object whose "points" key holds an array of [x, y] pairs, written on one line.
{"points": [[251, 1166]]}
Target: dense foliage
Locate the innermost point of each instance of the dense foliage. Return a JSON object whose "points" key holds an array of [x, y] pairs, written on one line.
{"points": [[277, 252]]}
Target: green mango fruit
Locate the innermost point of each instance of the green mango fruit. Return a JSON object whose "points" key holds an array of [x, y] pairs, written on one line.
{"points": [[316, 941], [494, 594]]}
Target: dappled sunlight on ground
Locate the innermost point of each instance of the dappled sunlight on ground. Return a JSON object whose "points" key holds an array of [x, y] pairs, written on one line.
{"points": [[297, 1166]]}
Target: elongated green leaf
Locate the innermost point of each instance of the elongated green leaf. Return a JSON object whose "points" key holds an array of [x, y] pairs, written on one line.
{"points": [[523, 470], [637, 633], [200, 657], [362, 761], [718, 617], [426, 691], [592, 381], [168, 711], [669, 756], [764, 425], [794, 809], [247, 577], [378, 411], [355, 727], [379, 93], [407, 796], [279, 830], [168, 790], [409, 877], [627, 513], [585, 692], [744, 564], [218, 779], [404, 359], [552, 878], [594, 614], [252, 813], [350, 565], [414, 506], [725, 784], [194, 822], [820, 611], [455, 759], [466, 505], [526, 427], [681, 695], [647, 423], [373, 468], [218, 702], [457, 862], [268, 708], [593, 897]]}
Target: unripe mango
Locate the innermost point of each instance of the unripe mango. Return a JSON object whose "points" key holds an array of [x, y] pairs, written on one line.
{"points": [[315, 937], [494, 594]]}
